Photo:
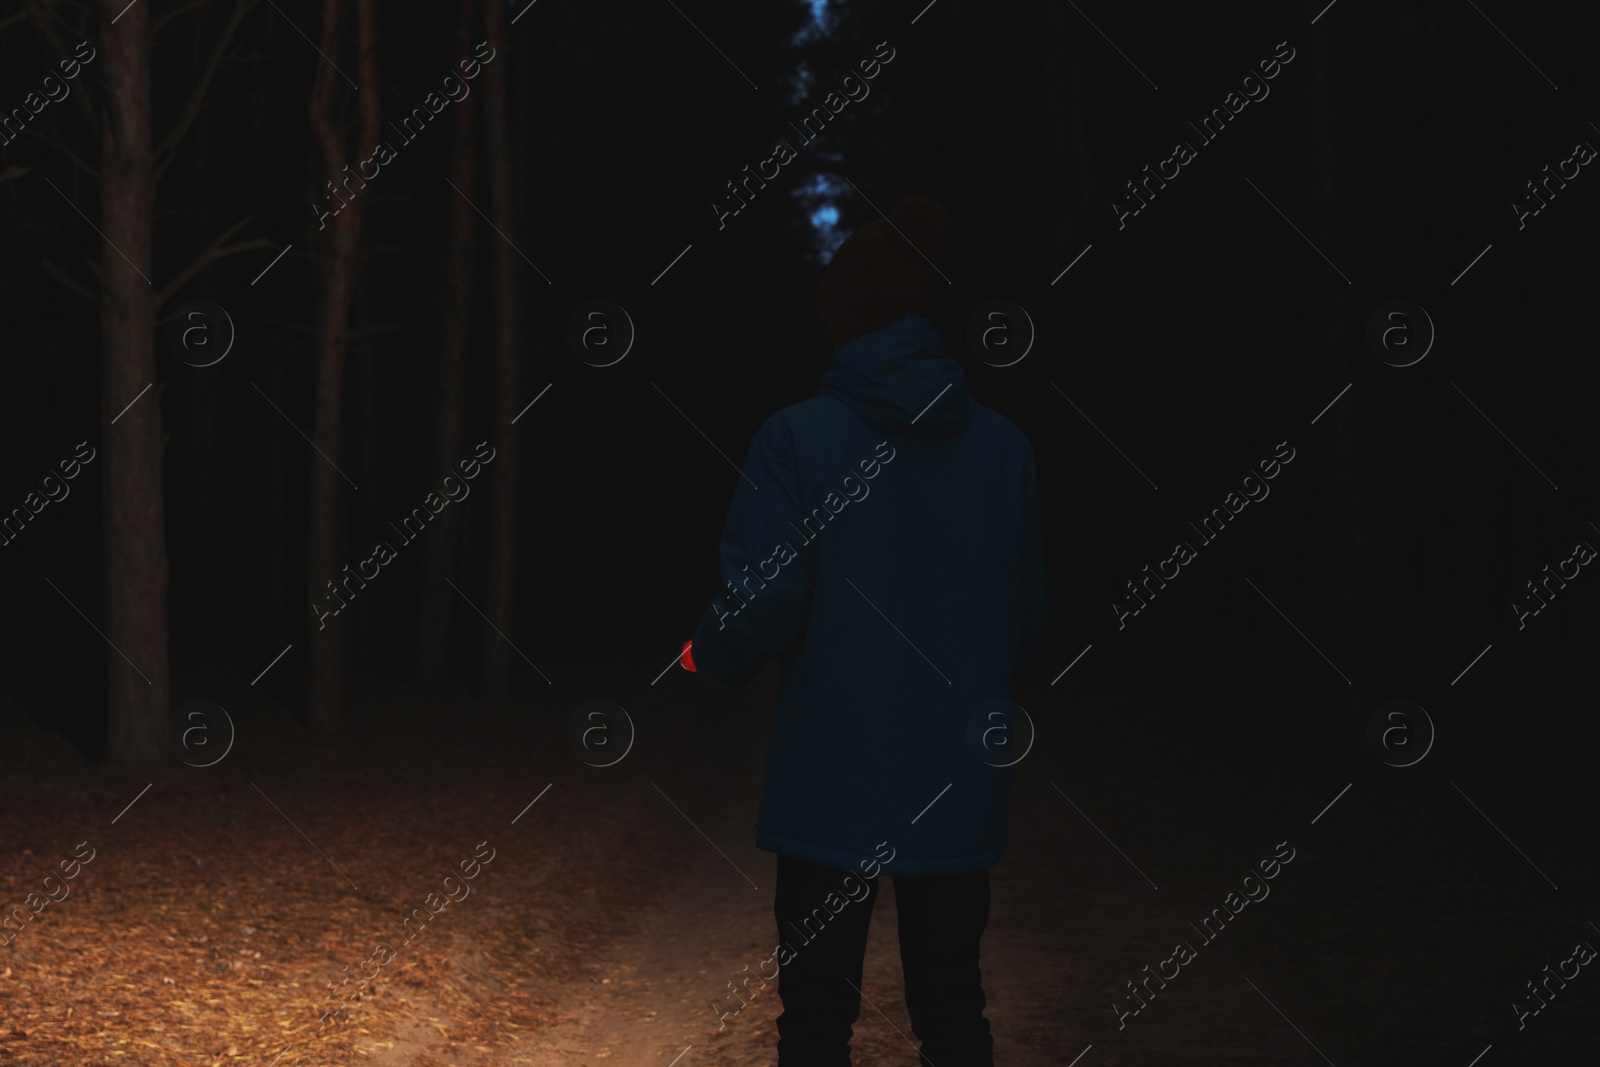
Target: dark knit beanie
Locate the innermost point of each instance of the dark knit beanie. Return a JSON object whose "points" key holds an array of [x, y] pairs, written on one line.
{"points": [[881, 272]]}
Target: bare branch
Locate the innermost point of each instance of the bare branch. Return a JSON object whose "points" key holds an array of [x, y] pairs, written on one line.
{"points": [[217, 250], [180, 10], [166, 151], [70, 154], [44, 17], [194, 268], [55, 141], [9, 19], [13, 171], [77, 287]]}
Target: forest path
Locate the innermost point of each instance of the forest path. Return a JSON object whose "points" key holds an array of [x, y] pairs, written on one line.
{"points": [[224, 905], [647, 998]]}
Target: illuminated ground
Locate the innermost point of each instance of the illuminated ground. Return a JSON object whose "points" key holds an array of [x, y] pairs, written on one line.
{"points": [[208, 927]]}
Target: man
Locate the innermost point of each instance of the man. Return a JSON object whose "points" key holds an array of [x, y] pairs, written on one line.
{"points": [[884, 543]]}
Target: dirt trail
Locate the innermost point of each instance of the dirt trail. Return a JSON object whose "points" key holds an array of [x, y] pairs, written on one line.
{"points": [[209, 930], [647, 997]]}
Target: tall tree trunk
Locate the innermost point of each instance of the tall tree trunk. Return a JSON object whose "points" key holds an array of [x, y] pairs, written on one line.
{"points": [[502, 559], [608, 615], [1355, 586], [366, 627], [201, 551], [280, 619], [1070, 155], [337, 262], [202, 514], [438, 599], [133, 440]]}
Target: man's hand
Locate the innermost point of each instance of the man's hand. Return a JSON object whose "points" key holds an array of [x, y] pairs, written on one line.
{"points": [[686, 661]]}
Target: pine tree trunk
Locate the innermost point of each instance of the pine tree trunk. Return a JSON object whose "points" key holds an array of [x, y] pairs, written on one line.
{"points": [[133, 440], [438, 599], [1355, 586], [337, 262], [502, 560], [281, 620], [365, 630], [200, 632], [1071, 163]]}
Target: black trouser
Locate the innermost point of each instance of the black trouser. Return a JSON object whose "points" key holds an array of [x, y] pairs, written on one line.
{"points": [[941, 922]]}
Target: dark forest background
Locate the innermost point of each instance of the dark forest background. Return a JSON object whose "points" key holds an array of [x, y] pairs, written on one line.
{"points": [[1196, 338]]}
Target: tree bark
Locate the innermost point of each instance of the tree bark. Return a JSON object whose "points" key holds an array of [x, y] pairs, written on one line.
{"points": [[132, 439], [1355, 588], [201, 552], [365, 631], [1070, 155], [438, 599], [337, 263], [279, 597], [502, 560]]}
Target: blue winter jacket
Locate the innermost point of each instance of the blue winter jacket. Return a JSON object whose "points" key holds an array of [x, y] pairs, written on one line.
{"points": [[884, 542]]}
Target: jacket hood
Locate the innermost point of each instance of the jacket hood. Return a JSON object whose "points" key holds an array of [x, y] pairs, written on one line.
{"points": [[900, 378]]}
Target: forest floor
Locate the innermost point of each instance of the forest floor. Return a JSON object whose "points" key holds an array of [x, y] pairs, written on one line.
{"points": [[221, 906]]}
